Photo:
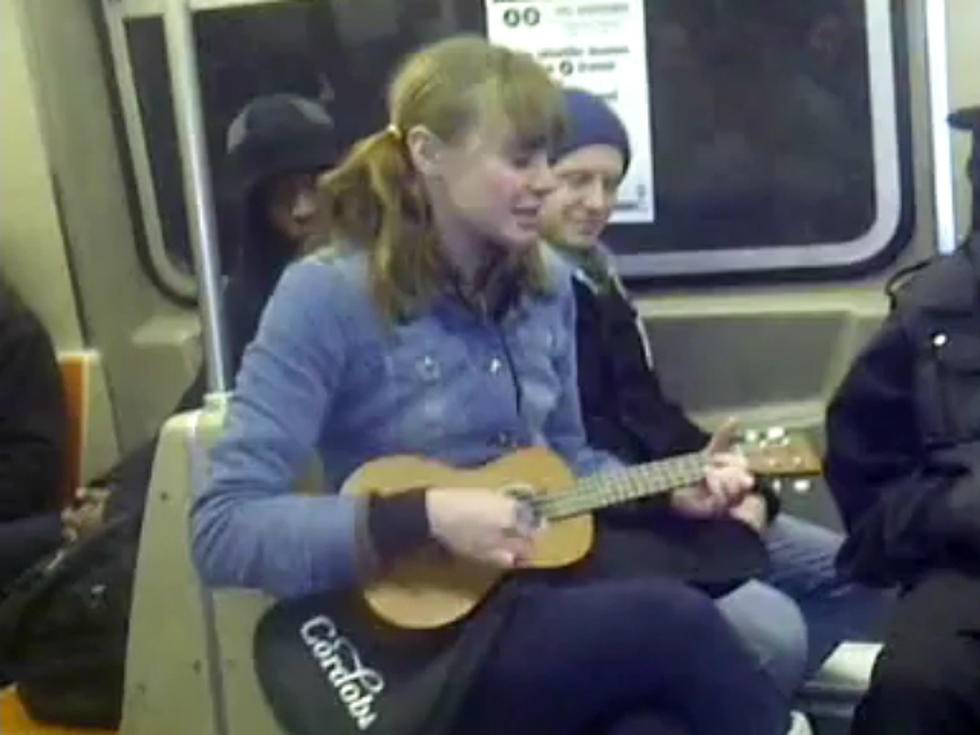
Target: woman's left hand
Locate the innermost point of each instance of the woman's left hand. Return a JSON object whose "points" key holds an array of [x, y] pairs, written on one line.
{"points": [[727, 476]]}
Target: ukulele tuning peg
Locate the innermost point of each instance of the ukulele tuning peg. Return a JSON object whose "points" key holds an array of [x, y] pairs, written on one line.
{"points": [[801, 487]]}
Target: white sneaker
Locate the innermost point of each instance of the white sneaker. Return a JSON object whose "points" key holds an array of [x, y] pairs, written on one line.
{"points": [[799, 724]]}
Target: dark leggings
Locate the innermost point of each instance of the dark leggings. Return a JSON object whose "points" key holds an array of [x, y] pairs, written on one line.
{"points": [[927, 679], [602, 657], [24, 542]]}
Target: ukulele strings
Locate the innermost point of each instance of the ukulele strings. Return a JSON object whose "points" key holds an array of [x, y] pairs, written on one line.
{"points": [[622, 485]]}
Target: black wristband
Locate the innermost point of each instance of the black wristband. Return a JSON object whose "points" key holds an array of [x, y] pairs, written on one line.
{"points": [[398, 523]]}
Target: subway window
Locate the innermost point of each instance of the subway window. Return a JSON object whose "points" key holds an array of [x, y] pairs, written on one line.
{"points": [[768, 136], [148, 55]]}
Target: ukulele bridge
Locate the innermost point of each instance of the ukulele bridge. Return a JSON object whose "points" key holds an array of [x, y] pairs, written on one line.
{"points": [[528, 512]]}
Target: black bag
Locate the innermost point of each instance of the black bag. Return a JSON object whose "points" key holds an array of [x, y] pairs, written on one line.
{"points": [[64, 625], [326, 664]]}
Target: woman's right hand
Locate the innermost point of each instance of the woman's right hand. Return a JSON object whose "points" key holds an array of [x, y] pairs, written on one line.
{"points": [[481, 525]]}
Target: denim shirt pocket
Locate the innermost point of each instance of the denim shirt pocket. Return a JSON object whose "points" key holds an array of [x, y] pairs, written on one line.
{"points": [[424, 376], [537, 348]]}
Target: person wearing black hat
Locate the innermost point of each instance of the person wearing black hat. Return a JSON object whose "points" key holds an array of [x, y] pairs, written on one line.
{"points": [[626, 412], [275, 147], [903, 461]]}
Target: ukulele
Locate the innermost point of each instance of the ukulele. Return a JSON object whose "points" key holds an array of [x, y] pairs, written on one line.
{"points": [[429, 588]]}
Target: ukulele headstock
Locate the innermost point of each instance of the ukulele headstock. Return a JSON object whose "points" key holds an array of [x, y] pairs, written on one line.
{"points": [[777, 452]]}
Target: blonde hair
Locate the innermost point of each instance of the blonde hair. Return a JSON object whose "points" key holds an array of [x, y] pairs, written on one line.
{"points": [[374, 199]]}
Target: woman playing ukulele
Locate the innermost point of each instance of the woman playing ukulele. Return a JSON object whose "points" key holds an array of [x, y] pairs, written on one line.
{"points": [[435, 324]]}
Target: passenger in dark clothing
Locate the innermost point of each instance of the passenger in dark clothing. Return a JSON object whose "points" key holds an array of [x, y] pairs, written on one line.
{"points": [[33, 435], [903, 461], [276, 146], [626, 412]]}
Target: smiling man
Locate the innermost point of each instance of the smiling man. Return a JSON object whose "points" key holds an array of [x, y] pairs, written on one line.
{"points": [[625, 412]]}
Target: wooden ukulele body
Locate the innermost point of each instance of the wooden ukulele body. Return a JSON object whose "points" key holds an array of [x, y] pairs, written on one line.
{"points": [[430, 588]]}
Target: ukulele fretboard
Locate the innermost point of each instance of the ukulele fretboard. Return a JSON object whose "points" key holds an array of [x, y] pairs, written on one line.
{"points": [[619, 486]]}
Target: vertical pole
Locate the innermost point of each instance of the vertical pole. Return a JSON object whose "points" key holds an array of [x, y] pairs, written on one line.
{"points": [[937, 54], [186, 93]]}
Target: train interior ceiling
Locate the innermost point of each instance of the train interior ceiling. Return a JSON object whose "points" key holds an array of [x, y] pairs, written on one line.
{"points": [[799, 157]]}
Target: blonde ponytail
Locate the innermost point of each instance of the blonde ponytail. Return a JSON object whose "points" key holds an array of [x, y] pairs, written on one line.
{"points": [[374, 199]]}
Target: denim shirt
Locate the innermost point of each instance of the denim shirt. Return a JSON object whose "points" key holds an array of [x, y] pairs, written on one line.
{"points": [[328, 373]]}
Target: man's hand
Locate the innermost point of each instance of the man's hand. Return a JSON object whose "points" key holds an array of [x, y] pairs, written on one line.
{"points": [[85, 517], [727, 479], [752, 512], [697, 501]]}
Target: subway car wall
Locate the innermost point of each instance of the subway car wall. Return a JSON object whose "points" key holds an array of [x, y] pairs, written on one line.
{"points": [[790, 158], [95, 227]]}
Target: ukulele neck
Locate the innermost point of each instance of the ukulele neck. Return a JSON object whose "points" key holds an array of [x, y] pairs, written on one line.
{"points": [[619, 486]]}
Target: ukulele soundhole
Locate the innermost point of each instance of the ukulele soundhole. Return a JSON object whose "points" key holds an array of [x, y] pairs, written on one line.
{"points": [[528, 511]]}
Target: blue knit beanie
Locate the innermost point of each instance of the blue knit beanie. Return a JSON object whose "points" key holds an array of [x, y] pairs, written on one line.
{"points": [[590, 121]]}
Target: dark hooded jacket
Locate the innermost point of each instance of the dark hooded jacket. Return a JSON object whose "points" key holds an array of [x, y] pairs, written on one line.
{"points": [[624, 411], [903, 430], [624, 408], [33, 431]]}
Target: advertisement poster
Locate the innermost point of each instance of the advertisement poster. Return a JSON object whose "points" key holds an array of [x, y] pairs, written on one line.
{"points": [[599, 46]]}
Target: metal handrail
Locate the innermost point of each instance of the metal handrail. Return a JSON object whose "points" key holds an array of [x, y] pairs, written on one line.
{"points": [[186, 93]]}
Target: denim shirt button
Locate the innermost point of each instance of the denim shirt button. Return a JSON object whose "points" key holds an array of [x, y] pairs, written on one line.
{"points": [[495, 366], [428, 368]]}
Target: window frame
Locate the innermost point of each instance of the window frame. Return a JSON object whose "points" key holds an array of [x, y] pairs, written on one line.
{"points": [[890, 111], [891, 229], [173, 280]]}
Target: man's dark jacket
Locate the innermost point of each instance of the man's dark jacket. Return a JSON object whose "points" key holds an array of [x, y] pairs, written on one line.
{"points": [[33, 429], [623, 407], [903, 456], [625, 412]]}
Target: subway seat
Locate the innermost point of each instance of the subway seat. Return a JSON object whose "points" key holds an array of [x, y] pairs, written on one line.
{"points": [[189, 668], [836, 688]]}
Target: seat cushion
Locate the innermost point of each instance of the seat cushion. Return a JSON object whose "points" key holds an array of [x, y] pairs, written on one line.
{"points": [[14, 719], [845, 674]]}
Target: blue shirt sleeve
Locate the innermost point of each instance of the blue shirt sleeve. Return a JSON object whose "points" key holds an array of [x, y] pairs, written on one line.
{"points": [[249, 528], [564, 429]]}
